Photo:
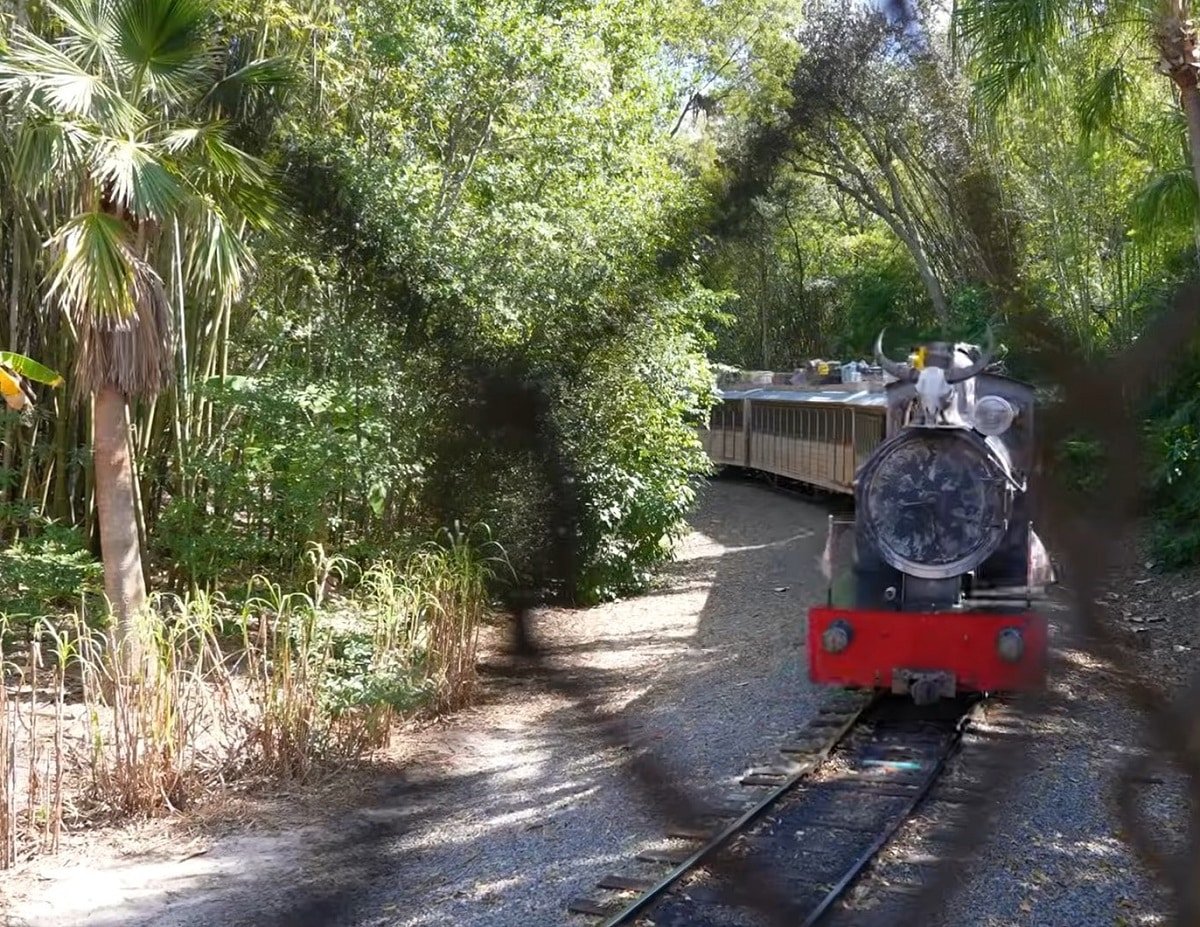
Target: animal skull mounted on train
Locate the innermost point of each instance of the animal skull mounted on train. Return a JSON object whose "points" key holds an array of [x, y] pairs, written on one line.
{"points": [[935, 380]]}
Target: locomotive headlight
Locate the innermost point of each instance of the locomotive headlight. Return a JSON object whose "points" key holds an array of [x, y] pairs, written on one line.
{"points": [[837, 636], [1010, 645], [993, 415]]}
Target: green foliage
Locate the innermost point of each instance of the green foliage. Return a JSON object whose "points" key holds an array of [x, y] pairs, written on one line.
{"points": [[30, 369], [1173, 434], [882, 289], [633, 429], [484, 201], [298, 462], [46, 574], [481, 184], [122, 97]]}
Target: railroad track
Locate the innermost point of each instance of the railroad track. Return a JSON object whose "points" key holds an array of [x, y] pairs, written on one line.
{"points": [[815, 821]]}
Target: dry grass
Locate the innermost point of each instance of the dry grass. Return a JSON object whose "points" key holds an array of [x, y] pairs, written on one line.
{"points": [[31, 792], [271, 688]]}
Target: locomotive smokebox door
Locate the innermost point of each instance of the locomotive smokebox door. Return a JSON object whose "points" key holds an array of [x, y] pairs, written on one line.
{"points": [[934, 503]]}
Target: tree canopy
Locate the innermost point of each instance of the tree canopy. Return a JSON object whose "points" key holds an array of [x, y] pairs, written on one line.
{"points": [[296, 236]]}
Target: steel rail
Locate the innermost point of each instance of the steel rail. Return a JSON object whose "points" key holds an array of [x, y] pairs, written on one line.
{"points": [[838, 891], [639, 904]]}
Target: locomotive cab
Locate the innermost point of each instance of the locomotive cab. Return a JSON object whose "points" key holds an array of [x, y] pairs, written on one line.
{"points": [[940, 569]]}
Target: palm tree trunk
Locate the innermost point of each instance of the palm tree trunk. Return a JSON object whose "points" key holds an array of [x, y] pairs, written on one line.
{"points": [[123, 580], [1190, 100]]}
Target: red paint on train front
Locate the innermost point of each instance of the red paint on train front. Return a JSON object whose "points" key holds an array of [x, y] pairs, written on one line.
{"points": [[965, 644]]}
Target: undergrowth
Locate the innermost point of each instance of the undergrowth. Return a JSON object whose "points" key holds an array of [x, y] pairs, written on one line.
{"points": [[270, 684]]}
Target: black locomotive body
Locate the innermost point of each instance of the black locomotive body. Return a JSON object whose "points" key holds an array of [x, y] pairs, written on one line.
{"points": [[945, 565]]}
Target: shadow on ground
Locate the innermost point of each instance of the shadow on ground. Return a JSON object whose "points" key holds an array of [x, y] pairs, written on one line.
{"points": [[529, 806]]}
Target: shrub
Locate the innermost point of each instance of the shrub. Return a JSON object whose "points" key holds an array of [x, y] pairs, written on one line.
{"points": [[300, 460], [48, 573], [1174, 476], [275, 685]]}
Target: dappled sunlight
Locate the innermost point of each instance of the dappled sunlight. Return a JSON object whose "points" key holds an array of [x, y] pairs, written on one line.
{"points": [[523, 779], [697, 545], [545, 776], [706, 547], [1099, 847], [636, 657], [120, 888], [626, 699]]}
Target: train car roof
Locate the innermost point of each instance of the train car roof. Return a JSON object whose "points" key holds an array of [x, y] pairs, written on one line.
{"points": [[840, 397]]}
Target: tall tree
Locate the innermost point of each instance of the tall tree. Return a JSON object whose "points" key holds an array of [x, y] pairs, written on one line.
{"points": [[119, 124], [877, 117], [1017, 47]]}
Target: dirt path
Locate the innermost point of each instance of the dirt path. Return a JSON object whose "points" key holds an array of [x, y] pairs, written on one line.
{"points": [[500, 815]]}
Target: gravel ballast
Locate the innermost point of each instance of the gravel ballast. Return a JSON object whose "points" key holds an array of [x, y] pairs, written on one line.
{"points": [[1052, 851]]}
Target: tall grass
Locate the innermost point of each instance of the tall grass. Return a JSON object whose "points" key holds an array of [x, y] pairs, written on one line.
{"points": [[274, 684], [454, 573], [31, 772]]}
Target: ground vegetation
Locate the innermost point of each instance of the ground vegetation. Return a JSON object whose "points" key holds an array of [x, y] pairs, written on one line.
{"points": [[287, 254]]}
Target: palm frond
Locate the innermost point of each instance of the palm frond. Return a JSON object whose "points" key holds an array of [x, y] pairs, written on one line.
{"points": [[46, 148], [1168, 199], [231, 91], [88, 37], [256, 203], [223, 172], [217, 257], [207, 144], [184, 138], [1102, 98], [132, 175], [41, 76], [1165, 132], [1010, 44], [93, 269], [998, 82], [165, 43]]}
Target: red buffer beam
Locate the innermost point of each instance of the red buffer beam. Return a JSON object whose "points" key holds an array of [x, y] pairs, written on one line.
{"points": [[983, 652]]}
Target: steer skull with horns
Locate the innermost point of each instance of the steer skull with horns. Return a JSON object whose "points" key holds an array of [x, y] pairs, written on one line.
{"points": [[935, 383]]}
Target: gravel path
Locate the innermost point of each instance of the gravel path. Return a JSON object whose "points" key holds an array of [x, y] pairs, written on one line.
{"points": [[1053, 853], [517, 805]]}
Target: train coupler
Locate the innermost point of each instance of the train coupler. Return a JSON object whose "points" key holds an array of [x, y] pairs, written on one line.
{"points": [[924, 687]]}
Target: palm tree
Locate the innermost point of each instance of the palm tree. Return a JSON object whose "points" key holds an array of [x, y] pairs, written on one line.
{"points": [[119, 125], [1018, 45]]}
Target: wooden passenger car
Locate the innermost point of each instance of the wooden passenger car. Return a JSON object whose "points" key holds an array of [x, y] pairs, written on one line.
{"points": [[815, 435]]}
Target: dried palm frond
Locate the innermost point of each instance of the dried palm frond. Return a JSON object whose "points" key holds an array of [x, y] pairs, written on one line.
{"points": [[134, 353]]}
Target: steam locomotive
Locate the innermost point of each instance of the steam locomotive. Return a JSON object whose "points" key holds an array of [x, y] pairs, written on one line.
{"points": [[934, 583]]}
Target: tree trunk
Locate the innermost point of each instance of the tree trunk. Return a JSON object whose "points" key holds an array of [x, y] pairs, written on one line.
{"points": [[906, 228], [123, 580], [762, 314], [933, 286], [1190, 100]]}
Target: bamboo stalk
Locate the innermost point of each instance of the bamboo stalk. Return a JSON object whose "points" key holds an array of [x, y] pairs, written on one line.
{"points": [[60, 505], [89, 479], [138, 509], [8, 774], [33, 661], [56, 808]]}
